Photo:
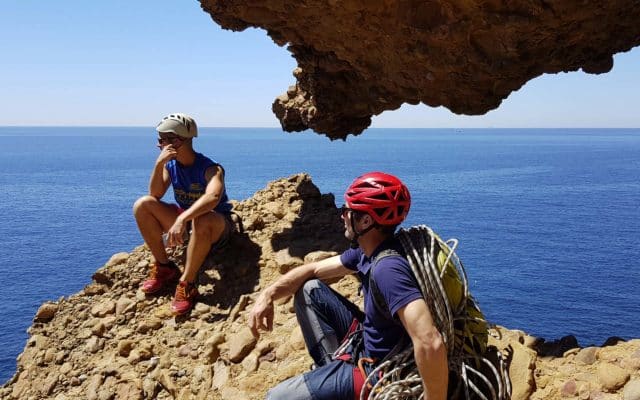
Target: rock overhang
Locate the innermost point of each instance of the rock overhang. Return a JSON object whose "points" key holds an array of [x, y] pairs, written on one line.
{"points": [[358, 58]]}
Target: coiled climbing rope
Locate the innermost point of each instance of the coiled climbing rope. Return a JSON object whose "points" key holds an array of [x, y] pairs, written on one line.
{"points": [[478, 376]]}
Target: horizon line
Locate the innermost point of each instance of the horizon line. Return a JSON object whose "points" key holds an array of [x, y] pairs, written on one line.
{"points": [[373, 127]]}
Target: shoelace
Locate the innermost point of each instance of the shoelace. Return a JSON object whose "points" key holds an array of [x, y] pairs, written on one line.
{"points": [[153, 271], [181, 292]]}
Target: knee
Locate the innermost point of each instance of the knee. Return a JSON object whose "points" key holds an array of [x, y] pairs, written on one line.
{"points": [[303, 295], [142, 203], [208, 225]]}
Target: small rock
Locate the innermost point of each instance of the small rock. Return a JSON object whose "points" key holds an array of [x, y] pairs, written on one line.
{"points": [[94, 289], [46, 312], [98, 329], [149, 388], [93, 345], [296, 340], [318, 256], [101, 276], [220, 375], [66, 368], [104, 308], [49, 384], [250, 362], [569, 389], [285, 261], [150, 324], [200, 309], [124, 304], [241, 344], [140, 295], [184, 351], [167, 383], [587, 355], [611, 377], [117, 258], [124, 347], [632, 390], [93, 385]]}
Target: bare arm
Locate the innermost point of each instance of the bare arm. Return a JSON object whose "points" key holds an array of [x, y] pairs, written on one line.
{"points": [[159, 181], [261, 315], [428, 349]]}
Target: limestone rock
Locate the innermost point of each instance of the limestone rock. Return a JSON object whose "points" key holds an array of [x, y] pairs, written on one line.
{"points": [[46, 312], [119, 343], [521, 372], [104, 308], [241, 344], [358, 58], [285, 261], [632, 390], [611, 376], [587, 355], [117, 258]]}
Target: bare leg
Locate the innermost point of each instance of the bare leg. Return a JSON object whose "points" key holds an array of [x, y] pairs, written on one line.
{"points": [[206, 230], [154, 217]]}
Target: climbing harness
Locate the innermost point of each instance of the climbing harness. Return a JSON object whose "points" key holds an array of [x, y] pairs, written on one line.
{"points": [[478, 371]]}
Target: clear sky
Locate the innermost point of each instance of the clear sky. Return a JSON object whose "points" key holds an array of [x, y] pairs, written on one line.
{"points": [[129, 62]]}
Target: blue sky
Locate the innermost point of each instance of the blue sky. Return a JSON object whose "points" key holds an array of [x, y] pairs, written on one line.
{"points": [[130, 62]]}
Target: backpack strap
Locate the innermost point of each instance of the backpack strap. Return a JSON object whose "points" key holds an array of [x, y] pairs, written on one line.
{"points": [[381, 304], [378, 299]]}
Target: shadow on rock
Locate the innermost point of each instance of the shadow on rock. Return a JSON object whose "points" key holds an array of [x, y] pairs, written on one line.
{"points": [[230, 273], [318, 226]]}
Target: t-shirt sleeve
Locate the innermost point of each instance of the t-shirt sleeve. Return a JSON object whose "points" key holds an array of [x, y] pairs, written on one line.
{"points": [[350, 258], [396, 282]]}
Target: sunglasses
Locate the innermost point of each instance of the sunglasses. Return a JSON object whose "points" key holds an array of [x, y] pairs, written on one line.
{"points": [[344, 209], [169, 139]]}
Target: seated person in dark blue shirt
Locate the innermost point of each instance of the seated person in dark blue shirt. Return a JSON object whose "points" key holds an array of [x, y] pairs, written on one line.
{"points": [[202, 207], [375, 204]]}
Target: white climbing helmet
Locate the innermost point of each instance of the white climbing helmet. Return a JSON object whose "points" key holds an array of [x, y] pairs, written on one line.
{"points": [[180, 124]]}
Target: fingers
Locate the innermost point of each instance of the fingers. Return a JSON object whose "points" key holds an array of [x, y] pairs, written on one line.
{"points": [[260, 319]]}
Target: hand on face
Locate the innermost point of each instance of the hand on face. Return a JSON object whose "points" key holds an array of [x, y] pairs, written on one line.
{"points": [[167, 152]]}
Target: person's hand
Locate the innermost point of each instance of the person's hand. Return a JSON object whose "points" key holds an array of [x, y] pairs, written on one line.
{"points": [[175, 234], [261, 316], [166, 153]]}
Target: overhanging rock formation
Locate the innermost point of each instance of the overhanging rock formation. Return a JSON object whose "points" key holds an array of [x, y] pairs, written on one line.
{"points": [[358, 58]]}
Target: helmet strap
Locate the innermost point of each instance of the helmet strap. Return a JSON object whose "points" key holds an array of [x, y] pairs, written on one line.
{"points": [[356, 235]]}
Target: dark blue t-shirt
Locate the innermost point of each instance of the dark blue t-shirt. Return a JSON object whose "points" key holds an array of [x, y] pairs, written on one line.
{"points": [[398, 286], [189, 183]]}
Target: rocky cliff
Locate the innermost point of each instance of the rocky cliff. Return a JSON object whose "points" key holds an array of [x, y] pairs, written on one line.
{"points": [[110, 341], [358, 58]]}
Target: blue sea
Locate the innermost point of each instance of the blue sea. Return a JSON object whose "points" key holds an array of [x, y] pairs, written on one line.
{"points": [[548, 220]]}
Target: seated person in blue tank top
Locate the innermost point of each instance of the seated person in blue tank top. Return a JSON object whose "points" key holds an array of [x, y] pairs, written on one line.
{"points": [[201, 206]]}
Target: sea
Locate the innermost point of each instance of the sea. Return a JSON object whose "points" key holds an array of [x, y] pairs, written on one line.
{"points": [[548, 220]]}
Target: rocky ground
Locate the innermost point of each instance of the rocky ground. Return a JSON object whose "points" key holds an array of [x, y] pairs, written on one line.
{"points": [[111, 341]]}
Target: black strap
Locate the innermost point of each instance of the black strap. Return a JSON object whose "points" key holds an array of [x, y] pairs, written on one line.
{"points": [[381, 304]]}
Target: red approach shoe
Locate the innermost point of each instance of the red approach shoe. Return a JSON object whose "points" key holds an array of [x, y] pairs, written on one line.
{"points": [[159, 276], [184, 299]]}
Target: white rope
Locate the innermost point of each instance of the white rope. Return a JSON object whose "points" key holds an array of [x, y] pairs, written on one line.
{"points": [[399, 377]]}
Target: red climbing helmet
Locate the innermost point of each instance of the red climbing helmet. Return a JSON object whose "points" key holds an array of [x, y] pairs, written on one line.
{"points": [[384, 197]]}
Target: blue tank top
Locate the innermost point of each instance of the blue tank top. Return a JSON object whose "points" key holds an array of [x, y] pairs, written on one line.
{"points": [[189, 183]]}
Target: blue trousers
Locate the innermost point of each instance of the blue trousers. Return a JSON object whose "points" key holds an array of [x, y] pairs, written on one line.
{"points": [[325, 317]]}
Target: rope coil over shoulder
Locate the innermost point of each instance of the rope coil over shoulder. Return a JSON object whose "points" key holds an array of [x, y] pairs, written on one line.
{"points": [[479, 371]]}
